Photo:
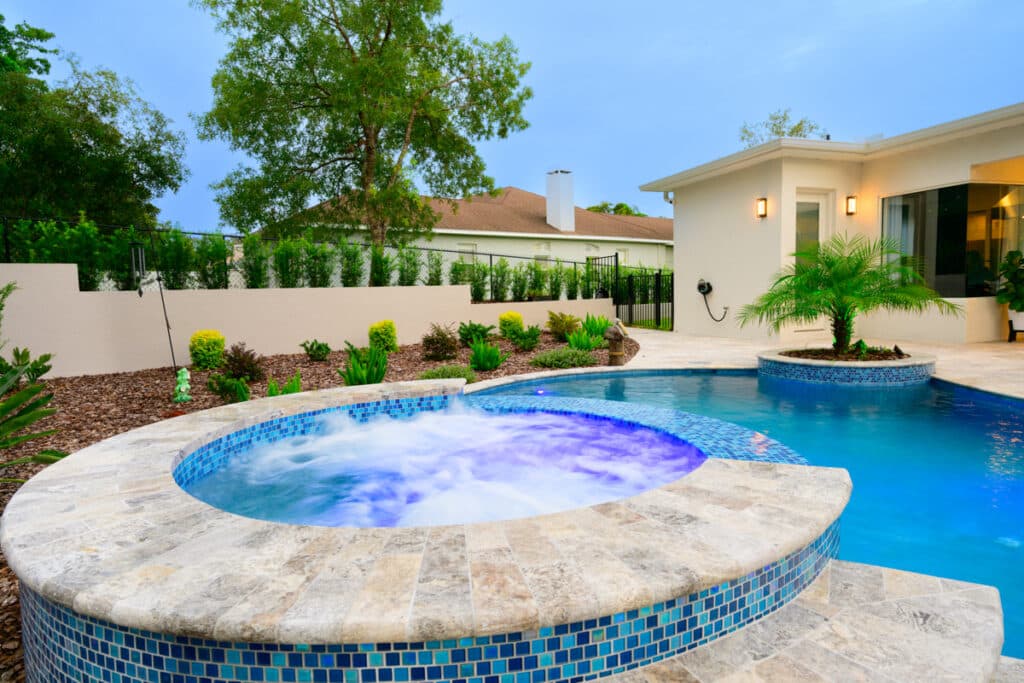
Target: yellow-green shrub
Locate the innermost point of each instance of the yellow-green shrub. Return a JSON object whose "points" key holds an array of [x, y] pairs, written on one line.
{"points": [[510, 323], [206, 349], [384, 336]]}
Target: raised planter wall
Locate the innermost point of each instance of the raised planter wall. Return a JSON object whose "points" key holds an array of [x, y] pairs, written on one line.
{"points": [[917, 369], [101, 332]]}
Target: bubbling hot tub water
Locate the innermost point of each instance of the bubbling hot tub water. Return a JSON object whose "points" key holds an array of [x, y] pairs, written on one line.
{"points": [[456, 466]]}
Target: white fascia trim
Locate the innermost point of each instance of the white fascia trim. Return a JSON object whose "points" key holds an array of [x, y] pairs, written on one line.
{"points": [[544, 236]]}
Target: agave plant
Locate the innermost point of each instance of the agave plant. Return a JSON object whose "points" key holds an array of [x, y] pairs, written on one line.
{"points": [[840, 279], [18, 412]]}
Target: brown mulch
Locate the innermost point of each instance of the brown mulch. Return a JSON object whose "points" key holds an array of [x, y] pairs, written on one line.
{"points": [[91, 408], [872, 354]]}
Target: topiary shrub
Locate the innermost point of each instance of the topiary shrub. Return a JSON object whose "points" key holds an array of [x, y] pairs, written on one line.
{"points": [[564, 358], [556, 280], [520, 281], [287, 263], [206, 349], [318, 263], [243, 364], [384, 336], [501, 275], [435, 269], [561, 325], [316, 350], [572, 283], [471, 332], [485, 357], [478, 274], [440, 343], [526, 340], [408, 266], [509, 323], [450, 372], [229, 389], [382, 265]]}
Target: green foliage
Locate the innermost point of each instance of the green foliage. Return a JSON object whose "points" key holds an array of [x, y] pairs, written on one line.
{"points": [[779, 124], [316, 350], [478, 273], [458, 273], [526, 340], [323, 98], [59, 242], [450, 372], [509, 323], [384, 336], [408, 266], [243, 363], [17, 46], [501, 275], [212, 256], [1011, 287], [229, 389], [572, 283], [440, 343], [206, 349], [484, 357], [176, 258], [435, 269], [617, 209], [255, 262], [556, 280], [90, 144], [538, 280], [562, 324], [471, 332], [588, 283], [520, 281], [287, 262], [351, 264], [840, 279], [595, 326], [292, 386], [318, 263], [382, 266], [19, 410], [5, 293], [364, 366], [583, 341], [117, 260], [34, 368], [564, 358]]}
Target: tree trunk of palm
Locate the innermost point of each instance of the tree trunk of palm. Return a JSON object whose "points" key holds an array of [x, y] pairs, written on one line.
{"points": [[842, 330]]}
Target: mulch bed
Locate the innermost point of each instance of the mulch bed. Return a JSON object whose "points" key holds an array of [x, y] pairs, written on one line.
{"points": [[94, 407], [873, 354]]}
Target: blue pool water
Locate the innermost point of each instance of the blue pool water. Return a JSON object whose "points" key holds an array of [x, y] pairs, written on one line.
{"points": [[938, 471]]}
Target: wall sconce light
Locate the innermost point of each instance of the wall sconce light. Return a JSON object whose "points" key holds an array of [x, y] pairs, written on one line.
{"points": [[762, 207], [851, 204]]}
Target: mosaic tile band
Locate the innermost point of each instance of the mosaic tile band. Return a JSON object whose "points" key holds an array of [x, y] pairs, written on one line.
{"points": [[870, 375], [62, 646]]}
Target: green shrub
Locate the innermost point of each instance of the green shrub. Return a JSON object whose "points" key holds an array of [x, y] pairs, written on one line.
{"points": [[484, 357], [556, 280], [588, 285], [18, 411], [450, 372], [318, 263], [206, 349], [351, 264], [34, 368], [538, 280], [118, 257], [562, 324], [471, 332], [408, 266], [83, 246], [526, 340], [384, 336], [596, 326], [229, 389], [175, 259], [520, 281], [509, 323], [316, 350], [243, 363], [572, 283], [563, 358], [211, 262], [458, 273], [288, 263], [292, 386], [435, 269], [501, 275], [478, 274], [255, 262], [440, 343], [582, 341], [381, 267], [364, 366]]}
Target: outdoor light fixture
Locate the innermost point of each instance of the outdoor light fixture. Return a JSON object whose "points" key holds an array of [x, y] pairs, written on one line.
{"points": [[138, 256], [762, 207], [851, 204]]}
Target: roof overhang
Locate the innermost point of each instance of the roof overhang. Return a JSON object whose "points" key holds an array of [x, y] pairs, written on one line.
{"points": [[548, 236]]}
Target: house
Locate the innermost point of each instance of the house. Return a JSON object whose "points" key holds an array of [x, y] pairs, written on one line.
{"points": [[952, 194], [524, 224]]}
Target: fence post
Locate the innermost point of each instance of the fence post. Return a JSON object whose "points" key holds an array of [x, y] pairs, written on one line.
{"points": [[616, 296], [490, 274], [657, 300], [631, 293]]}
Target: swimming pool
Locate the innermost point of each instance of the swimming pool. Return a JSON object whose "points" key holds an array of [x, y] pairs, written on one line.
{"points": [[938, 470]]}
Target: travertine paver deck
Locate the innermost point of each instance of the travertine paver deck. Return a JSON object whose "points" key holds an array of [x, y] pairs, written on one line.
{"points": [[857, 622]]}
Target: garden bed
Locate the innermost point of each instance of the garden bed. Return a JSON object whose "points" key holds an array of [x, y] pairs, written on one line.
{"points": [[871, 354], [91, 408]]}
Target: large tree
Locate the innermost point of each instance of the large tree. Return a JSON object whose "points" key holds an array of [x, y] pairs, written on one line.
{"points": [[17, 46], [779, 124], [618, 209], [342, 104]]}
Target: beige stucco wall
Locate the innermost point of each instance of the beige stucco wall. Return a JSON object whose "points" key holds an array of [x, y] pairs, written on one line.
{"points": [[99, 332], [982, 320]]}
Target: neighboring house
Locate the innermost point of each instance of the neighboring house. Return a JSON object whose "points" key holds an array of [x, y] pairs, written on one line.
{"points": [[952, 194], [521, 223]]}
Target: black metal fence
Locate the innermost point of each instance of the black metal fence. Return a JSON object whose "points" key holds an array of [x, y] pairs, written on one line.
{"points": [[645, 299]]}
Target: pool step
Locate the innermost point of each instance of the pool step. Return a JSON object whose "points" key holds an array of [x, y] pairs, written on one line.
{"points": [[858, 622]]}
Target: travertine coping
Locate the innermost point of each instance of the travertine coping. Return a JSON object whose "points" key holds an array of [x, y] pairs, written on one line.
{"points": [[109, 534]]}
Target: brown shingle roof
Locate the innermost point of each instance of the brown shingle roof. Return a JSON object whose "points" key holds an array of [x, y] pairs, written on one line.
{"points": [[519, 211]]}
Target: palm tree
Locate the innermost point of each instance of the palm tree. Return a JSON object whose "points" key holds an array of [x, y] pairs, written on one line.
{"points": [[841, 278]]}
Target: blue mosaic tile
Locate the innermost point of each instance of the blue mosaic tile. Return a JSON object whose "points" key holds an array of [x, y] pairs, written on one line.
{"points": [[891, 376]]}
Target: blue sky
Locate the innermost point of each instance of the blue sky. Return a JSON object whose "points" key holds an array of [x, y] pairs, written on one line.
{"points": [[625, 92]]}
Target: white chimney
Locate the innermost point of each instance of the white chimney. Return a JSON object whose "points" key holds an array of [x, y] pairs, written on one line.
{"points": [[561, 210]]}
